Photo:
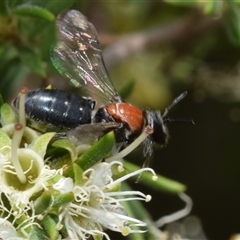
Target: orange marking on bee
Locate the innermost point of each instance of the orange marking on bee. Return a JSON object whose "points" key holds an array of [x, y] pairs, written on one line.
{"points": [[127, 113]]}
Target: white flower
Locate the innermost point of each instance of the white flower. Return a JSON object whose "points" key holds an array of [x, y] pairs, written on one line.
{"points": [[8, 231], [36, 173], [98, 206], [64, 185]]}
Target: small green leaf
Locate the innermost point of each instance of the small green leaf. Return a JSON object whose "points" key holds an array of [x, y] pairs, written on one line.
{"points": [[43, 202], [4, 141], [97, 152], [54, 180], [162, 183], [12, 77], [28, 10], [66, 144], [78, 175], [41, 143], [58, 6], [7, 115], [213, 7], [50, 227], [37, 233], [232, 19], [32, 61], [62, 199]]}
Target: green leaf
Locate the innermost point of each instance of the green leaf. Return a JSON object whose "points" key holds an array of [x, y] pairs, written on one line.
{"points": [[78, 175], [8, 52], [32, 61], [12, 76], [213, 7], [41, 143], [57, 6], [37, 233], [162, 183], [50, 227], [97, 152], [42, 203], [4, 141], [62, 199], [28, 10], [7, 115], [66, 144], [232, 19]]}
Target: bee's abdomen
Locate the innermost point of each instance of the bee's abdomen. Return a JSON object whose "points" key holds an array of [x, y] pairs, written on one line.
{"points": [[57, 108]]}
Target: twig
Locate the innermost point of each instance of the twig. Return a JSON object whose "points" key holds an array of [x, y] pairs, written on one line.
{"points": [[188, 26]]}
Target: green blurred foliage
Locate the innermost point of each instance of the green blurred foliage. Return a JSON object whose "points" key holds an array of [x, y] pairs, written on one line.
{"points": [[27, 31]]}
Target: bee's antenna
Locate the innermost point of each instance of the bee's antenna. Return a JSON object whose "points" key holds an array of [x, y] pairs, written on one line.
{"points": [[175, 101], [179, 120]]}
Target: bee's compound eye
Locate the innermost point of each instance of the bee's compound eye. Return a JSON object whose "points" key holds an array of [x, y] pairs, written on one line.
{"points": [[160, 132]]}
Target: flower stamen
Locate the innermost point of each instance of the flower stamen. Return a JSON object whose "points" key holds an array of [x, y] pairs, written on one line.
{"points": [[146, 132], [17, 136], [22, 117], [121, 179]]}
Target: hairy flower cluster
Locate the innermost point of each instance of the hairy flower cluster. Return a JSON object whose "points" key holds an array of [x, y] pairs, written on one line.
{"points": [[65, 200]]}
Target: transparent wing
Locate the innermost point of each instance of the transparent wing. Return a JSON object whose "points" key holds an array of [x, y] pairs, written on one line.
{"points": [[78, 56]]}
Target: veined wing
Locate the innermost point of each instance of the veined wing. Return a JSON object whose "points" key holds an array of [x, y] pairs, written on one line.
{"points": [[78, 55]]}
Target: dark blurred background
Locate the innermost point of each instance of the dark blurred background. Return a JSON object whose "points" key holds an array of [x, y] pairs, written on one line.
{"points": [[165, 47]]}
